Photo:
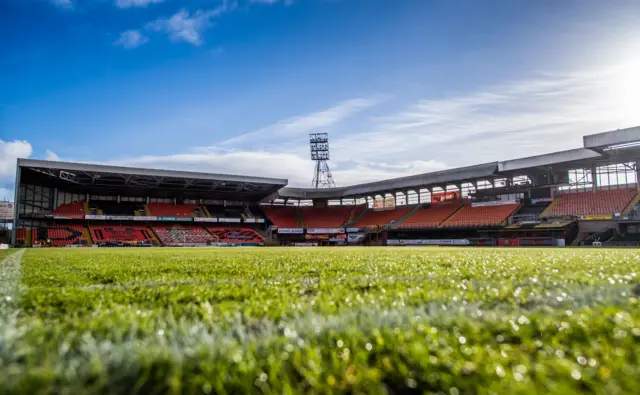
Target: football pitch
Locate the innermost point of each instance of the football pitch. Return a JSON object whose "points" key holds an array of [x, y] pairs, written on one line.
{"points": [[319, 320]]}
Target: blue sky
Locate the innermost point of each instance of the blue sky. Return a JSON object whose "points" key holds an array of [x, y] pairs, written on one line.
{"points": [[402, 86]]}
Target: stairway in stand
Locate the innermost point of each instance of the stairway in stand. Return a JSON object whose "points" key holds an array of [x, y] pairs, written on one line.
{"points": [[404, 217], [154, 237], [87, 235]]}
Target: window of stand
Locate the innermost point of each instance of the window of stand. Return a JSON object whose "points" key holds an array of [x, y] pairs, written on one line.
{"points": [[34, 199], [160, 200], [136, 199]]}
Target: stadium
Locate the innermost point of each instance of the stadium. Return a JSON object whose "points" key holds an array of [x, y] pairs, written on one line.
{"points": [[517, 276], [582, 196]]}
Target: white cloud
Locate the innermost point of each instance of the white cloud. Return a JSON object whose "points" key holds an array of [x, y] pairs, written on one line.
{"points": [[270, 2], [10, 151], [301, 125], [50, 155], [68, 4], [546, 113], [189, 27], [131, 39], [136, 3], [6, 194], [297, 169]]}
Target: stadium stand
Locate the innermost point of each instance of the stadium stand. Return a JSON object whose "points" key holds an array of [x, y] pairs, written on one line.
{"points": [[555, 223], [174, 210], [325, 217], [626, 237], [532, 210], [60, 235], [176, 235], [282, 217], [236, 235], [470, 216], [114, 208], [430, 217], [379, 218], [579, 204], [75, 210], [21, 236], [355, 214], [121, 234], [228, 212]]}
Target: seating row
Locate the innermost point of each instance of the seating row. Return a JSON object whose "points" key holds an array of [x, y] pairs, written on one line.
{"points": [[602, 202]]}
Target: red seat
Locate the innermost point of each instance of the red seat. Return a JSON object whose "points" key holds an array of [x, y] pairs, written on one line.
{"points": [[177, 235], [73, 210], [172, 210], [120, 234], [236, 235], [21, 234], [60, 235], [282, 217]]}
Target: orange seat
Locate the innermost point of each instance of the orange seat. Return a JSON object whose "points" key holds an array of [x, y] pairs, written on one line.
{"points": [[580, 204], [470, 216], [379, 218], [325, 217], [431, 216]]}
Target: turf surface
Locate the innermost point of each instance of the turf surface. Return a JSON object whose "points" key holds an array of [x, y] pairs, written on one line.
{"points": [[275, 320], [6, 253]]}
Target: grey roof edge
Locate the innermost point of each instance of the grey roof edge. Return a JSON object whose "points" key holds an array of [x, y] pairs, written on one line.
{"points": [[547, 159], [614, 137], [72, 166], [431, 178]]}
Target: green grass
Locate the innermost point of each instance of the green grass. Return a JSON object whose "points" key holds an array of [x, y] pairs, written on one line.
{"points": [[341, 320], [6, 253]]}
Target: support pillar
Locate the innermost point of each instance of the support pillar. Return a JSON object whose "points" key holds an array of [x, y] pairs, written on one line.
{"points": [[638, 174], [55, 198]]}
